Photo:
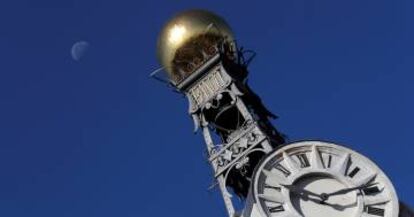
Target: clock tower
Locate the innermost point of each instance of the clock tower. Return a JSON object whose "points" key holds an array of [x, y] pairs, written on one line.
{"points": [[249, 156]]}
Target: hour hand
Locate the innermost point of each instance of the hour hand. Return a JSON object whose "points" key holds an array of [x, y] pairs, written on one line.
{"points": [[300, 191]]}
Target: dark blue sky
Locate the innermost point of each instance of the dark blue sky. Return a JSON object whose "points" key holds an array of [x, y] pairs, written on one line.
{"points": [[97, 138]]}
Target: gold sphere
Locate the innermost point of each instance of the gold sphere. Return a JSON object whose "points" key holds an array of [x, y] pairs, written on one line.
{"points": [[184, 30]]}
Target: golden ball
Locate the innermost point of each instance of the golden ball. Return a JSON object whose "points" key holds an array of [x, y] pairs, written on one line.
{"points": [[184, 30]]}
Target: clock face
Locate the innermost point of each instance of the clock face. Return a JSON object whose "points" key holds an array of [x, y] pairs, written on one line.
{"points": [[320, 179]]}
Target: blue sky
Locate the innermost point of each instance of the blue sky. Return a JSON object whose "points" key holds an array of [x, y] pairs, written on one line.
{"points": [[97, 137]]}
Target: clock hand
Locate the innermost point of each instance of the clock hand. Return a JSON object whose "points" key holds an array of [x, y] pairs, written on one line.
{"points": [[300, 191], [325, 196], [333, 205], [361, 183], [318, 200]]}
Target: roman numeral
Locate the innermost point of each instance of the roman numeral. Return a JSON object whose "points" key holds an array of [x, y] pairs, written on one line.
{"points": [[329, 163], [290, 163], [282, 169], [277, 208], [371, 190], [273, 187], [374, 211], [303, 159], [354, 172]]}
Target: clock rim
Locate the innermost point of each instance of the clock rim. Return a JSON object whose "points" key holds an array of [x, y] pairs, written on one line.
{"points": [[310, 142]]}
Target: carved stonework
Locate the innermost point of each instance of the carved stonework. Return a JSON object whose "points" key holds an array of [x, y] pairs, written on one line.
{"points": [[207, 88], [222, 104], [235, 150], [226, 110]]}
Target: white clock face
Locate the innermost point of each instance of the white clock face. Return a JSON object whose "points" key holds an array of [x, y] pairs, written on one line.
{"points": [[320, 179]]}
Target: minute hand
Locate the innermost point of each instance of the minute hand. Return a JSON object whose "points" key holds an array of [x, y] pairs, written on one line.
{"points": [[346, 190]]}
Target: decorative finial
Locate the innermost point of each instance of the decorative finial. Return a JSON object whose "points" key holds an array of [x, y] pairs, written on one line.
{"points": [[189, 39]]}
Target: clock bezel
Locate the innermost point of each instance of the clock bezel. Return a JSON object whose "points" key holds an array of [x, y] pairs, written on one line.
{"points": [[312, 170]]}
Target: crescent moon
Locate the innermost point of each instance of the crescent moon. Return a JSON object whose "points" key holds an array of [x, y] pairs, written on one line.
{"points": [[79, 50]]}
